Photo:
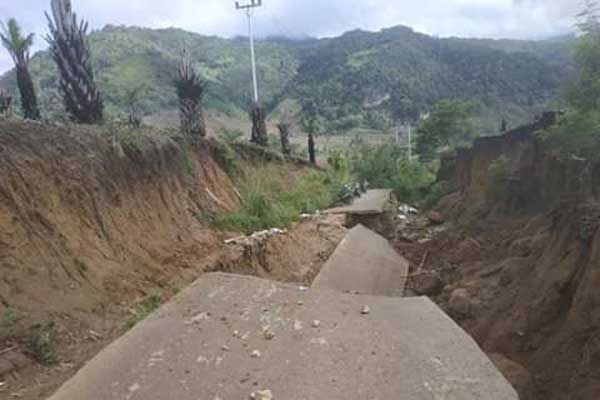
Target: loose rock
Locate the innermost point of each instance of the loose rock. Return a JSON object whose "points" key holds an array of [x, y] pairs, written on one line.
{"points": [[316, 323], [365, 310], [255, 354], [262, 395], [428, 284], [268, 334], [460, 304]]}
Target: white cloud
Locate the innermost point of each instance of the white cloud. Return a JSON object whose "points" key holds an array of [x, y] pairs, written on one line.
{"points": [[473, 18]]}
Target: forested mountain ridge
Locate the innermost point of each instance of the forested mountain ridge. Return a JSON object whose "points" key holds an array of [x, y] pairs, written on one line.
{"points": [[402, 73], [358, 79]]}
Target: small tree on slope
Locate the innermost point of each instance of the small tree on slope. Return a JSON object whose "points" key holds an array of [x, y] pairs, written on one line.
{"points": [[70, 49], [18, 46], [190, 90]]}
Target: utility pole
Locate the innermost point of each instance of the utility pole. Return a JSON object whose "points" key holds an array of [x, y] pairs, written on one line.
{"points": [[249, 8]]}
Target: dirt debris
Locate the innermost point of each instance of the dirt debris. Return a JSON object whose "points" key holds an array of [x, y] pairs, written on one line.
{"points": [[94, 229]]}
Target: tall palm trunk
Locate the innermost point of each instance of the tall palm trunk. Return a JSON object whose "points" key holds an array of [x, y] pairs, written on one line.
{"points": [[18, 46], [284, 135], [27, 90], [5, 102], [312, 152], [259, 126]]}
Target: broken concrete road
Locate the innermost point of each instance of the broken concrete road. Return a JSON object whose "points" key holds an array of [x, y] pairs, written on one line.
{"points": [[371, 203], [203, 346], [364, 263]]}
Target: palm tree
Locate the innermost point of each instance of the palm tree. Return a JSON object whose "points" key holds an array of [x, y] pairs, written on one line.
{"points": [[18, 46], [191, 88], [5, 101], [71, 51]]}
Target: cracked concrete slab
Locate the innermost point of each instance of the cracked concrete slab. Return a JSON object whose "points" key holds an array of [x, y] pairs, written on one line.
{"points": [[371, 203], [364, 263], [203, 345]]}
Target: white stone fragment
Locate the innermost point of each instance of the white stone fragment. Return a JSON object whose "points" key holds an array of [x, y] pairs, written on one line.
{"points": [[255, 354], [262, 395]]}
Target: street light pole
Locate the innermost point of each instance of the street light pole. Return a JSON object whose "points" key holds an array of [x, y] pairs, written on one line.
{"points": [[249, 8]]}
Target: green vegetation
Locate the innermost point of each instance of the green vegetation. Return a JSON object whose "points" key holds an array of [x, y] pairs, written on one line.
{"points": [[435, 193], [143, 309], [187, 156], [448, 124], [123, 58], [387, 166], [359, 81], [10, 316], [18, 47], [369, 79], [190, 87], [579, 133], [71, 52], [38, 343], [268, 201]]}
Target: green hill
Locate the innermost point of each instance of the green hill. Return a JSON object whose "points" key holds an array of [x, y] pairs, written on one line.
{"points": [[361, 79], [361, 75]]}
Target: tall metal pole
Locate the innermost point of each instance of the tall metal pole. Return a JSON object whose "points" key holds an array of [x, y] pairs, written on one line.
{"points": [[249, 8]]}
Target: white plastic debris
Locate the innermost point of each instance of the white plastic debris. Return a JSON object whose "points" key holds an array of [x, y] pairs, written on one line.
{"points": [[256, 237], [405, 209]]}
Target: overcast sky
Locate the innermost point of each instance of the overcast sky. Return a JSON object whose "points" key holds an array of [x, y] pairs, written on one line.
{"points": [[527, 19]]}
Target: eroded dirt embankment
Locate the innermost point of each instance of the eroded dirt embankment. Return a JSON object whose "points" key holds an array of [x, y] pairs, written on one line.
{"points": [[90, 224], [84, 217], [522, 272]]}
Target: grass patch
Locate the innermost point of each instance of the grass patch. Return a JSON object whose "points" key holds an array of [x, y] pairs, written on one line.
{"points": [[38, 343], [187, 157], [270, 200], [144, 308], [11, 316]]}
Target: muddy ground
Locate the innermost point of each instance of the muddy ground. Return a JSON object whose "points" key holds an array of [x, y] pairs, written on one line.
{"points": [[516, 286], [295, 256]]}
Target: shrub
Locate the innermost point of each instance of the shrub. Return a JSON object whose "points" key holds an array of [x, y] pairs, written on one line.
{"points": [[436, 193], [38, 343], [577, 135], [10, 316], [387, 167]]}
